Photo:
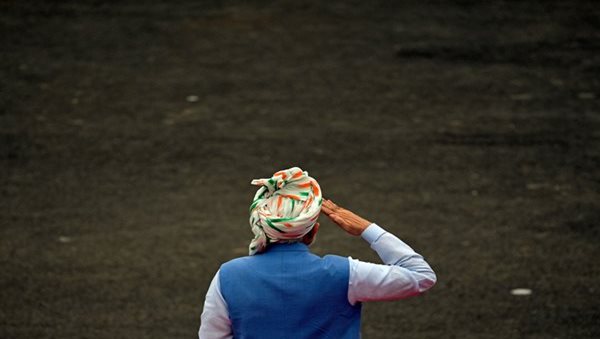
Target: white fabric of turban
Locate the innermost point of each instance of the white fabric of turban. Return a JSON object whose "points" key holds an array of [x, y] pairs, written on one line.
{"points": [[285, 207]]}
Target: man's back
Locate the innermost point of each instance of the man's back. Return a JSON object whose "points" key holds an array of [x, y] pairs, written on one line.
{"points": [[289, 292]]}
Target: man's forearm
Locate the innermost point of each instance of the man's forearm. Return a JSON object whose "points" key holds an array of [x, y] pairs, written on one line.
{"points": [[406, 273], [394, 251]]}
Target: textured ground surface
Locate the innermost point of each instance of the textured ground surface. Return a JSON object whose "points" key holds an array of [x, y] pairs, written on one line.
{"points": [[470, 130]]}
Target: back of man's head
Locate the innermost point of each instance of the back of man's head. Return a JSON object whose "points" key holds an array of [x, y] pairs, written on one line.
{"points": [[285, 208]]}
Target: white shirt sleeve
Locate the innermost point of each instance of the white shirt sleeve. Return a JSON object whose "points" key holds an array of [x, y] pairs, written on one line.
{"points": [[215, 322], [405, 274]]}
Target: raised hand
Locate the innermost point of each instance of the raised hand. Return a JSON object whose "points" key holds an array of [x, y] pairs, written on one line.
{"points": [[345, 219]]}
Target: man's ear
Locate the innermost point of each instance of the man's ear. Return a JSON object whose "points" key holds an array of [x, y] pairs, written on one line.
{"points": [[309, 238]]}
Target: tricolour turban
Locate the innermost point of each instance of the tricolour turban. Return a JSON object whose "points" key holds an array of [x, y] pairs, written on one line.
{"points": [[285, 207]]}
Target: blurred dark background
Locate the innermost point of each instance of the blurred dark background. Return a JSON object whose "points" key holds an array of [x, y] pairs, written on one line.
{"points": [[130, 131]]}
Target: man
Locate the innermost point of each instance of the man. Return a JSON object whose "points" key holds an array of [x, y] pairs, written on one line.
{"points": [[282, 290]]}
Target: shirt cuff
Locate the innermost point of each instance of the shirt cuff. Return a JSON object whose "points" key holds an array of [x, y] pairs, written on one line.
{"points": [[372, 233]]}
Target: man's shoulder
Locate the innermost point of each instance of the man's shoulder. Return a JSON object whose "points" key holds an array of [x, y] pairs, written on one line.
{"points": [[336, 261], [334, 257], [239, 261]]}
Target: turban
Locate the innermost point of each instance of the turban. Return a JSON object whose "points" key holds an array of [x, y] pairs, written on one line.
{"points": [[285, 207]]}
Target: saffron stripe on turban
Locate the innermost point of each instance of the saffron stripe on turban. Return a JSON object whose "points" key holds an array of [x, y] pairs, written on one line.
{"points": [[285, 207]]}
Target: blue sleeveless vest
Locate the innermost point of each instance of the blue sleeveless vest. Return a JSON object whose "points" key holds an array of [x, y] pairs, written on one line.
{"points": [[288, 292]]}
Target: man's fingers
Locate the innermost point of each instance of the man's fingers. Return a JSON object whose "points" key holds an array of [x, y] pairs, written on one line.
{"points": [[327, 204], [331, 205], [332, 211], [326, 209], [338, 220]]}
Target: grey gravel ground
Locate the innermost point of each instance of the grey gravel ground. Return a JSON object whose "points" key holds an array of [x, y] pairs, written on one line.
{"points": [[129, 134]]}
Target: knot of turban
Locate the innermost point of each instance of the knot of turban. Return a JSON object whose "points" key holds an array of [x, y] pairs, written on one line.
{"points": [[285, 207]]}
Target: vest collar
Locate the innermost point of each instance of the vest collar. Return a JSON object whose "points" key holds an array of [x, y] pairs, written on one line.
{"points": [[287, 247]]}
